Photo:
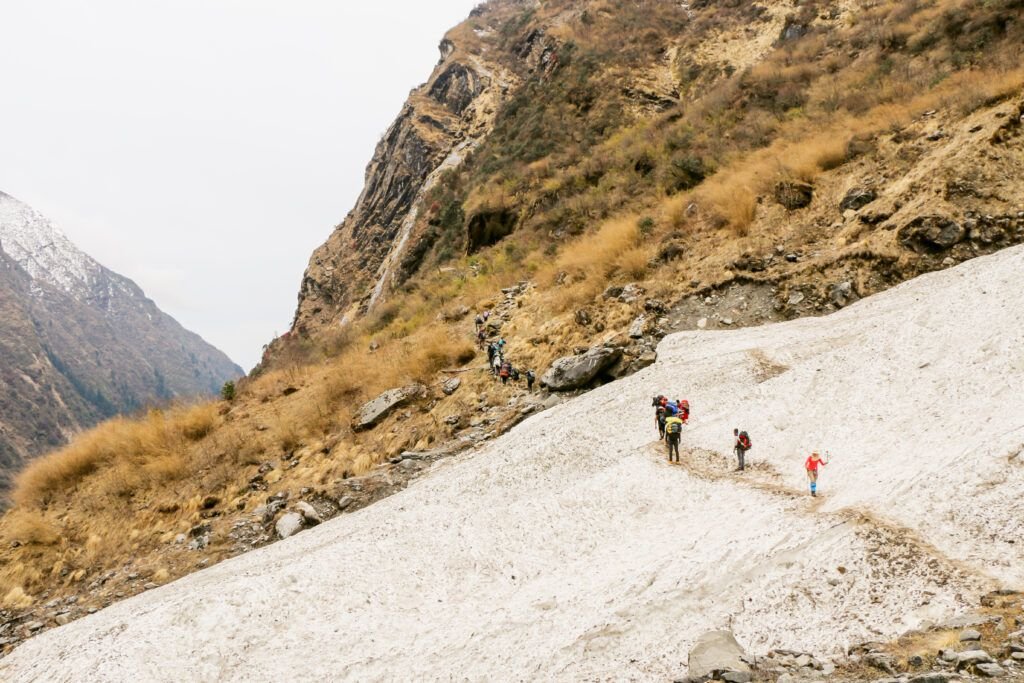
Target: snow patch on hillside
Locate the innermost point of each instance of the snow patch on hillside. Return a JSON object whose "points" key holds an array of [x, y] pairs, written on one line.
{"points": [[569, 549]]}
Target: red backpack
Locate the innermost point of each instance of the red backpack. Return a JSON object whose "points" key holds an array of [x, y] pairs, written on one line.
{"points": [[745, 441]]}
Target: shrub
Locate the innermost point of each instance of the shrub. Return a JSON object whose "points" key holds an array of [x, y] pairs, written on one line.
{"points": [[227, 392]]}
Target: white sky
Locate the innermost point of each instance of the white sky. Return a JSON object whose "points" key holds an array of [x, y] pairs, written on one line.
{"points": [[204, 148]]}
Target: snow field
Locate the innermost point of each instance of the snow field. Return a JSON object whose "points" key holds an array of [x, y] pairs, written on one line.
{"points": [[569, 549]]}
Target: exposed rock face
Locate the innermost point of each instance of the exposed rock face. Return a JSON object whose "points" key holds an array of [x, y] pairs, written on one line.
{"points": [[573, 372], [934, 233], [373, 248], [79, 343]]}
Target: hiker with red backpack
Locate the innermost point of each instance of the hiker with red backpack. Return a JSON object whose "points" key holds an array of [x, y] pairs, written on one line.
{"points": [[811, 465], [683, 408], [505, 371], [741, 446]]}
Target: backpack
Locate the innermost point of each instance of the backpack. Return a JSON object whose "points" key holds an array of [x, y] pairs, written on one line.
{"points": [[745, 441], [515, 374], [674, 428], [660, 412]]}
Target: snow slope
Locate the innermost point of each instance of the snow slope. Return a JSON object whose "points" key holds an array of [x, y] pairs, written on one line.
{"points": [[570, 550]]}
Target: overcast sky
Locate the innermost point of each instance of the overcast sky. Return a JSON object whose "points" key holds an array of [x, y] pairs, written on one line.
{"points": [[204, 148]]}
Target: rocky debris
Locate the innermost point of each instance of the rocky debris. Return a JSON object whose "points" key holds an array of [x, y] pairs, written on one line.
{"points": [[638, 328], [970, 635], [793, 195], [451, 386], [714, 654], [372, 412], [309, 514], [582, 317], [627, 294], [857, 198], [841, 294], [574, 372], [289, 524], [931, 233]]}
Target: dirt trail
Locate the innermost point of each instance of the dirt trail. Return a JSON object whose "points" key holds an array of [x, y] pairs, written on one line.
{"points": [[893, 540]]}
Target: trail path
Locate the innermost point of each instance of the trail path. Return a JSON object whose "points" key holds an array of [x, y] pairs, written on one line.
{"points": [[568, 550]]}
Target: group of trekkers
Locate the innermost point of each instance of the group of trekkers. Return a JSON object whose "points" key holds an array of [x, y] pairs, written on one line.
{"points": [[670, 417], [497, 360]]}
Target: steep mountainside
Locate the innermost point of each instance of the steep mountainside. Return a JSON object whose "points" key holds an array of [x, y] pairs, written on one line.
{"points": [[597, 174], [845, 134], [81, 343], [570, 550]]}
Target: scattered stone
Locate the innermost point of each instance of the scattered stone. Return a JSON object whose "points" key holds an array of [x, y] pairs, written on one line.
{"points": [[1018, 656], [842, 294], [727, 321], [737, 677], [345, 502], [379, 408], [308, 512], [582, 317], [34, 626], [930, 677], [451, 386], [63, 619], [795, 298], [613, 292], [702, 323], [655, 306], [639, 326], [148, 586], [792, 258], [716, 652], [972, 657], [289, 524], [931, 233], [990, 669], [857, 198], [631, 293], [794, 195], [969, 635], [803, 661], [572, 372], [210, 502], [880, 661]]}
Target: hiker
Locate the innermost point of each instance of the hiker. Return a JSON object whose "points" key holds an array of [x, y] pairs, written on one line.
{"points": [[492, 349], [504, 371], [659, 420], [741, 446], [515, 374], [482, 319], [496, 364], [481, 338], [684, 410], [812, 464], [530, 379], [673, 431]]}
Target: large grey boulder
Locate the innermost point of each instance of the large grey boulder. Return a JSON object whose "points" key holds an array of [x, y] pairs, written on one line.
{"points": [[289, 524], [573, 372], [715, 653], [376, 410]]}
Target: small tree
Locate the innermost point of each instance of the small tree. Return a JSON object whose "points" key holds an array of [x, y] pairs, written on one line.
{"points": [[227, 392]]}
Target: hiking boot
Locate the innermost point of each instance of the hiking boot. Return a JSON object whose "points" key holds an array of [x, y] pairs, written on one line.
{"points": [[814, 494]]}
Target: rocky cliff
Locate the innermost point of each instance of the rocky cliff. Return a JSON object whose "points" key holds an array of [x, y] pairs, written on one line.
{"points": [[81, 343]]}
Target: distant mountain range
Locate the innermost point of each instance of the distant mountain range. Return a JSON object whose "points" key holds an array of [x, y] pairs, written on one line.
{"points": [[80, 343]]}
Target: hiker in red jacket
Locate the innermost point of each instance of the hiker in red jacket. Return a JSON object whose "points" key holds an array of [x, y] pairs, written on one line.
{"points": [[811, 465]]}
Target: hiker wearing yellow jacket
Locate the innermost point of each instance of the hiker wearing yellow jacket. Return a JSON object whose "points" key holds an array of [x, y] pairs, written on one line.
{"points": [[673, 430]]}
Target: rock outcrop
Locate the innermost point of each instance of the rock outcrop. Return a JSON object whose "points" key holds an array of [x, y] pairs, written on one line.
{"points": [[574, 372], [714, 653], [376, 410]]}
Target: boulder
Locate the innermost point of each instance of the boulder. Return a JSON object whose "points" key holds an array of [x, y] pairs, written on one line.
{"points": [[794, 195], [969, 635], [965, 659], [842, 293], [631, 293], [931, 677], [638, 327], [309, 514], [582, 317], [573, 372], [990, 669], [289, 524], [857, 198], [376, 410], [451, 386], [931, 233], [715, 653]]}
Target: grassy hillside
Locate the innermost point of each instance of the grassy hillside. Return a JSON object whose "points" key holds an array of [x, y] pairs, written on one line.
{"points": [[701, 152]]}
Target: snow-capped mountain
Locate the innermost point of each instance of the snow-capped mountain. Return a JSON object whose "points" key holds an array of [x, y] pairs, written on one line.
{"points": [[79, 343]]}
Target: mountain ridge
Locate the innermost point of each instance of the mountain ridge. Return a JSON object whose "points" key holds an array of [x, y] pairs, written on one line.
{"points": [[82, 343]]}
